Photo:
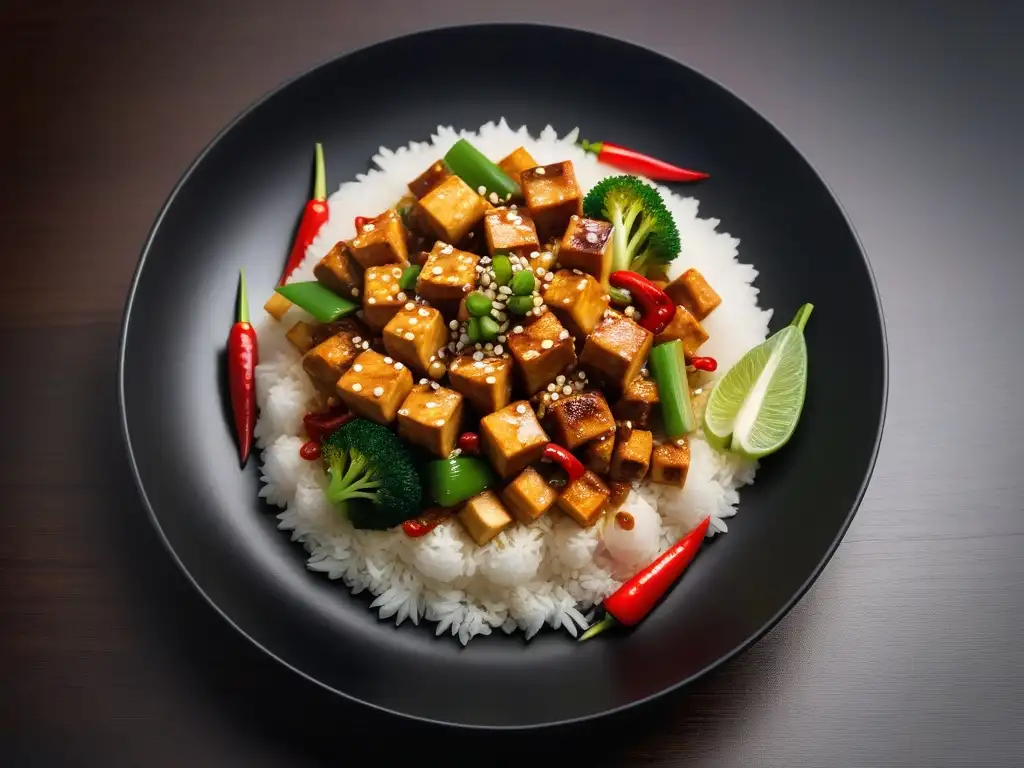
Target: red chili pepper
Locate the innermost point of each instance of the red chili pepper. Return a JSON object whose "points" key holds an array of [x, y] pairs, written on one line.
{"points": [[243, 355], [631, 161], [310, 450], [631, 602], [425, 523], [656, 307], [560, 456], [319, 426], [704, 363], [313, 217], [469, 442]]}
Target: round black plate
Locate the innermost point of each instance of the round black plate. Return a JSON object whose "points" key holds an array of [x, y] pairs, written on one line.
{"points": [[238, 206]]}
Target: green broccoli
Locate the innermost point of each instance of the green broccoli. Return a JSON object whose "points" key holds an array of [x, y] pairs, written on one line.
{"points": [[645, 233], [373, 477]]}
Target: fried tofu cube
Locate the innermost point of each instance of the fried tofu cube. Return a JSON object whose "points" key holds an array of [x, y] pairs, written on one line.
{"points": [[486, 384], [447, 275], [616, 350], [414, 335], [632, 455], [382, 296], [542, 350], [544, 258], [637, 403], [301, 336], [339, 272], [381, 241], [277, 305], [598, 453], [619, 492], [451, 209], [552, 196], [577, 300], [587, 246], [510, 230], [686, 328], [374, 387], [583, 500], [429, 179], [578, 419], [431, 418], [670, 462], [692, 291], [484, 517], [516, 162], [329, 359], [528, 496], [512, 438]]}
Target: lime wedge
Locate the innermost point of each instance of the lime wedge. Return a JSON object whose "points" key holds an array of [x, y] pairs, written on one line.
{"points": [[755, 407]]}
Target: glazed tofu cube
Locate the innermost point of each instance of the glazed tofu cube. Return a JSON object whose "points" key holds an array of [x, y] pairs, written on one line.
{"points": [[429, 179], [670, 463], [528, 496], [515, 163], [301, 337], [339, 272], [414, 335], [381, 241], [692, 291], [584, 499], [616, 350], [512, 438], [598, 453], [431, 418], [552, 196], [329, 359], [587, 246], [510, 230], [619, 491], [382, 297], [486, 384], [686, 328], [542, 350], [578, 300], [374, 387], [447, 275], [484, 517], [637, 402], [451, 209], [578, 419], [632, 455], [544, 258], [277, 305]]}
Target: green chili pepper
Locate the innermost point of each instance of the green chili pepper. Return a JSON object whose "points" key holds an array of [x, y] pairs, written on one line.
{"points": [[472, 166], [473, 329], [519, 305], [668, 366], [489, 329], [453, 481], [502, 267], [478, 304], [321, 303], [523, 283], [407, 282]]}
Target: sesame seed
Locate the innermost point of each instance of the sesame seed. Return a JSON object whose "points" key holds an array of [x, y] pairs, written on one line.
{"points": [[385, 278], [582, 374], [357, 339], [563, 335], [423, 313], [478, 355], [554, 397], [399, 366], [566, 390], [481, 190], [491, 380], [442, 352], [493, 197], [498, 349], [355, 291], [378, 391], [551, 387], [437, 270], [409, 336], [566, 300], [560, 380], [540, 271], [539, 171], [517, 329], [459, 347], [500, 316], [401, 296], [431, 404], [549, 277], [537, 301], [530, 354], [488, 347], [520, 409], [454, 325], [413, 321], [368, 227], [388, 361], [479, 365], [403, 411], [357, 367], [435, 386], [498, 304], [410, 306], [478, 345], [502, 339], [547, 344], [366, 345], [591, 237], [485, 279], [357, 387], [423, 381], [505, 290], [446, 250], [371, 300]]}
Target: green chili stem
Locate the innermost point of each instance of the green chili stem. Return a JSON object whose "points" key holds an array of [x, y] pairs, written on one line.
{"points": [[243, 298], [319, 174], [606, 623]]}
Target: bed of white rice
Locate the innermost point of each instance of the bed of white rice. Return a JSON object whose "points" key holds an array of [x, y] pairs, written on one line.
{"points": [[552, 572]]}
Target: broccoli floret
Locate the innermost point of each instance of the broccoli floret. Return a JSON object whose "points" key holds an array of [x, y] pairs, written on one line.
{"points": [[645, 232], [373, 477]]}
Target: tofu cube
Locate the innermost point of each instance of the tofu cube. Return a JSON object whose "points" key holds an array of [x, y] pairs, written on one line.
{"points": [[692, 291], [542, 350], [577, 300], [277, 305], [431, 418], [632, 456], [381, 241], [670, 463], [587, 246], [329, 359], [447, 275], [638, 402], [510, 231], [301, 336], [339, 272], [584, 499], [429, 179], [598, 453], [616, 350], [414, 335], [382, 296], [619, 491], [528, 496], [686, 328], [484, 517], [486, 384], [374, 387], [544, 258], [515, 163], [553, 196], [451, 209], [512, 438], [578, 419]]}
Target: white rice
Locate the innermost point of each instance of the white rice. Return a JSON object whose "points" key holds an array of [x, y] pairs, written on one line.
{"points": [[553, 571]]}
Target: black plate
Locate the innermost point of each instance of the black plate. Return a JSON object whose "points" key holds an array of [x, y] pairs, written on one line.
{"points": [[238, 206]]}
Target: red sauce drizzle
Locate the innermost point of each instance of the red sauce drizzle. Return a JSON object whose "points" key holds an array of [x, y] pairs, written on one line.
{"points": [[625, 521]]}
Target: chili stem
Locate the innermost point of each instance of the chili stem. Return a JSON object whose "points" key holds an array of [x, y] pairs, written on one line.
{"points": [[243, 298], [319, 174], [606, 623]]}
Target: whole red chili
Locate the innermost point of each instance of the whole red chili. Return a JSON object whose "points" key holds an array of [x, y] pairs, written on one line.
{"points": [[631, 161], [321, 425], [704, 364], [560, 456], [313, 217], [425, 523], [243, 355], [631, 602], [656, 307], [469, 442]]}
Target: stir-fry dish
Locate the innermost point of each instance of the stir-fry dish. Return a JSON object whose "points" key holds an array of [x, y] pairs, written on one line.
{"points": [[499, 397]]}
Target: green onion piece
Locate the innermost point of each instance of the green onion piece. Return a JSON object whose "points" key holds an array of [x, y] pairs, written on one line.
{"points": [[472, 166], [473, 329], [478, 305], [321, 303], [668, 366], [453, 481], [523, 283], [488, 329], [407, 282], [519, 305], [620, 297], [502, 267]]}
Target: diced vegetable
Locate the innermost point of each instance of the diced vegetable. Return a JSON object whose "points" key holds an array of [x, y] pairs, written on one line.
{"points": [[473, 167], [668, 365], [502, 267], [453, 481], [489, 329], [523, 283], [478, 304], [407, 282], [321, 303], [473, 330], [519, 305]]}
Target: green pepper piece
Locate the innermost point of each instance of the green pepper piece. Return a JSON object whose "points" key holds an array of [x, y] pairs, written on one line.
{"points": [[523, 283], [489, 329], [407, 282], [321, 303], [474, 168], [502, 267], [478, 305], [473, 329], [668, 366], [519, 305], [453, 481]]}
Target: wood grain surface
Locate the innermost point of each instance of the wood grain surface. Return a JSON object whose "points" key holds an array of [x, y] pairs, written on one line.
{"points": [[907, 651]]}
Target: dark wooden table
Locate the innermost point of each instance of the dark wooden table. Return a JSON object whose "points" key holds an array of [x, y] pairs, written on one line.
{"points": [[907, 651]]}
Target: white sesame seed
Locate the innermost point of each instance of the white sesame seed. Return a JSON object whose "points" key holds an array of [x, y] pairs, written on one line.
{"points": [[357, 339], [366, 345], [488, 347], [431, 404], [439, 423], [355, 291], [368, 227], [591, 237], [539, 171], [537, 301], [388, 361], [530, 354], [403, 411], [566, 390], [554, 397], [517, 329], [357, 387], [378, 391], [551, 387], [481, 190], [410, 306], [424, 380], [547, 344], [479, 365], [478, 345], [442, 352], [540, 271], [566, 300], [459, 347], [478, 355], [560, 380], [437, 270], [423, 312], [447, 249], [413, 321], [549, 277], [502, 339], [357, 367], [582, 374], [520, 409], [399, 366], [500, 316], [563, 335], [401, 296], [493, 197], [435, 386], [505, 290], [498, 349], [385, 278], [464, 338], [371, 300], [491, 380], [485, 279], [409, 336]]}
